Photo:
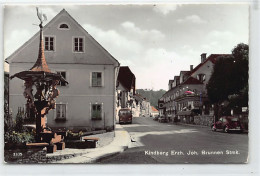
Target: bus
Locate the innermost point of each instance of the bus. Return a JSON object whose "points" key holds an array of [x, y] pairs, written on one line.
{"points": [[125, 115]]}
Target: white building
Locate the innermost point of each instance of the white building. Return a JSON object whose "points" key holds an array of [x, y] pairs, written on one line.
{"points": [[88, 101]]}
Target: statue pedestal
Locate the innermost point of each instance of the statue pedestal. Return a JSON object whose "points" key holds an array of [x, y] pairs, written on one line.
{"points": [[43, 135]]}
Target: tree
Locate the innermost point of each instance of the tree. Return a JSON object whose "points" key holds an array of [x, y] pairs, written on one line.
{"points": [[229, 80], [19, 120], [151, 95]]}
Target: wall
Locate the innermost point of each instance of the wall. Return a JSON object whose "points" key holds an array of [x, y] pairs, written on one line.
{"points": [[197, 120], [203, 120], [77, 95], [207, 69]]}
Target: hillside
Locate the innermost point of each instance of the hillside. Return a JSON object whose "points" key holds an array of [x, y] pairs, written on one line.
{"points": [[151, 95]]}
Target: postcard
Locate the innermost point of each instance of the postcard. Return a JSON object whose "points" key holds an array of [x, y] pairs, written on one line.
{"points": [[126, 84]]}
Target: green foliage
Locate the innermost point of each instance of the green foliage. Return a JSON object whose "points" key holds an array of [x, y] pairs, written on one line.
{"points": [[151, 95], [229, 80], [239, 100], [73, 136], [220, 83], [19, 120], [6, 91], [8, 122], [16, 138]]}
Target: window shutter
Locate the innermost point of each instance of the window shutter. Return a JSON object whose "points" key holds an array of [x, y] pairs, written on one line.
{"points": [[90, 110], [102, 79], [102, 107], [90, 79]]}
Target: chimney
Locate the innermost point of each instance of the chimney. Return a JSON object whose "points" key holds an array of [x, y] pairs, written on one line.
{"points": [[203, 57], [191, 67]]}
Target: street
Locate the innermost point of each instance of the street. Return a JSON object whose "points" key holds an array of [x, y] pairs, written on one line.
{"points": [[166, 143]]}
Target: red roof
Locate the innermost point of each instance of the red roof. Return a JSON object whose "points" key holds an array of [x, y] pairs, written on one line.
{"points": [[213, 58], [154, 109], [185, 72], [192, 80]]}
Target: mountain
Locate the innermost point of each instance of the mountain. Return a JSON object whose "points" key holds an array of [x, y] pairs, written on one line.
{"points": [[151, 95]]}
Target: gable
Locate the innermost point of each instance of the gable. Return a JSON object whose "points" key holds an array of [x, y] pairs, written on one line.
{"points": [[212, 59], [63, 53]]}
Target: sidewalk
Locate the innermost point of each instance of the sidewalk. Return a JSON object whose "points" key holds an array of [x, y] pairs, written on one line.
{"points": [[119, 144]]}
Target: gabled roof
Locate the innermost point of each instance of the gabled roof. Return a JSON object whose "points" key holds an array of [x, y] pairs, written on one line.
{"points": [[98, 54], [192, 80], [213, 58], [154, 109], [184, 72], [176, 77], [126, 78]]}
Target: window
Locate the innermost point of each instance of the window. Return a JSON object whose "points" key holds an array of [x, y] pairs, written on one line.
{"points": [[78, 44], [64, 26], [63, 74], [60, 111], [96, 112], [96, 79], [49, 43], [201, 77], [224, 120]]}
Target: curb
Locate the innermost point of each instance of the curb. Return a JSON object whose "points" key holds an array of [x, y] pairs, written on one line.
{"points": [[192, 125], [201, 126], [120, 143]]}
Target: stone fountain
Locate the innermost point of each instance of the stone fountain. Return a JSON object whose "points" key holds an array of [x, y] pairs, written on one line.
{"points": [[43, 98]]}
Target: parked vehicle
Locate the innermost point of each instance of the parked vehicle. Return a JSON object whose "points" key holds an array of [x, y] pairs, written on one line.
{"points": [[227, 124], [156, 118], [125, 115], [163, 119]]}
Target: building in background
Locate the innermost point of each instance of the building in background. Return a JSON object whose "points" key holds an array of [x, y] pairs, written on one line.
{"points": [[125, 89], [154, 112], [187, 94]]}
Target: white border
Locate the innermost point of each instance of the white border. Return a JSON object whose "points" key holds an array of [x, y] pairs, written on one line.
{"points": [[252, 168]]}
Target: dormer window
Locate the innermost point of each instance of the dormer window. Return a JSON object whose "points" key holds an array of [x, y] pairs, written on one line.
{"points": [[201, 77], [64, 26]]}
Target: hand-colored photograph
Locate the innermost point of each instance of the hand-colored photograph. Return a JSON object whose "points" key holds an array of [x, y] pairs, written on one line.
{"points": [[126, 84]]}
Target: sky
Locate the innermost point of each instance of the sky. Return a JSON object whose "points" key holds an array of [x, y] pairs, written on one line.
{"points": [[155, 41]]}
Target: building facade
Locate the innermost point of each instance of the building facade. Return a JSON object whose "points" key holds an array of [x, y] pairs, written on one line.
{"points": [[187, 94], [125, 89], [88, 102]]}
